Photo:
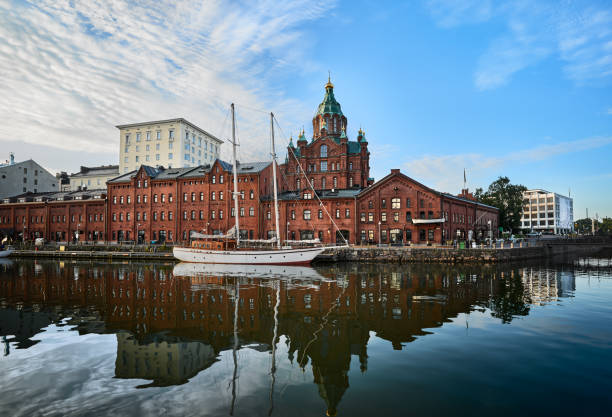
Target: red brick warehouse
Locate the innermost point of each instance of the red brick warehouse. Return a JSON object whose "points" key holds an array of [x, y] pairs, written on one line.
{"points": [[157, 204]]}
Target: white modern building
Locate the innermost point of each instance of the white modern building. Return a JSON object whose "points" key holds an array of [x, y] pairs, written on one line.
{"points": [[93, 177], [173, 143], [22, 177], [547, 212]]}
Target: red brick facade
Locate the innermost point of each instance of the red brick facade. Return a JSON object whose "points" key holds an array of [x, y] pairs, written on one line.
{"points": [[155, 205]]}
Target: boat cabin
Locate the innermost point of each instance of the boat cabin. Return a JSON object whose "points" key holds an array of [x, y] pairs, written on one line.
{"points": [[214, 244]]}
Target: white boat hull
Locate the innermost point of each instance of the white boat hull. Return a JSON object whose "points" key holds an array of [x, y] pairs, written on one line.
{"points": [[285, 272], [5, 253], [301, 256]]}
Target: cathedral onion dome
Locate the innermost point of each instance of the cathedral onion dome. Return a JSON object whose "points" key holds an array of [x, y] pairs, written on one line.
{"points": [[291, 142], [329, 104]]}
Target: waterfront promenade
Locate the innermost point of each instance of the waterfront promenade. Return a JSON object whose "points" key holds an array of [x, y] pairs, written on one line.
{"points": [[508, 252]]}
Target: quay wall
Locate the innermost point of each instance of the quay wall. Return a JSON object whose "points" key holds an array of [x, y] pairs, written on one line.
{"points": [[448, 255]]}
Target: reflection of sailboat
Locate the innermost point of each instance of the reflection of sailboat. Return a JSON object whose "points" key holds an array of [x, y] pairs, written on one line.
{"points": [[235, 347], [248, 271], [275, 335]]}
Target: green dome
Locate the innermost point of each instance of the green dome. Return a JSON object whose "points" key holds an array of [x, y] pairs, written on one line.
{"points": [[329, 104]]}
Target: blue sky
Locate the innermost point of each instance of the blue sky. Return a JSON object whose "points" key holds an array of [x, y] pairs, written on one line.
{"points": [[521, 89]]}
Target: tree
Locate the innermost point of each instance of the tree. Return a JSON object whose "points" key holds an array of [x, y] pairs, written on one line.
{"points": [[585, 226], [508, 198], [605, 227]]}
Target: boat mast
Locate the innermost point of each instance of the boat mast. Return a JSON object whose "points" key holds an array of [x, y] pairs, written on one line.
{"points": [[235, 165], [278, 239]]}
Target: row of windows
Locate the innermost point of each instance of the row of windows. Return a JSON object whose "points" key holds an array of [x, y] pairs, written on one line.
{"points": [[396, 235], [396, 203], [54, 219], [142, 198], [396, 216], [307, 214], [142, 216]]}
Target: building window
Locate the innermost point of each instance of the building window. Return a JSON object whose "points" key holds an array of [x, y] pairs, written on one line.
{"points": [[337, 213], [383, 216], [220, 195], [268, 215], [323, 183], [241, 211], [370, 217], [220, 214], [395, 203], [350, 181], [362, 217], [214, 179], [383, 203], [335, 179], [395, 216], [193, 215], [323, 166], [251, 211], [193, 196], [430, 235], [323, 151], [220, 179], [306, 214], [408, 216], [251, 194], [213, 196], [347, 213]]}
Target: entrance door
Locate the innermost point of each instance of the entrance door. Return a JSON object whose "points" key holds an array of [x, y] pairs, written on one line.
{"points": [[340, 234], [141, 237]]}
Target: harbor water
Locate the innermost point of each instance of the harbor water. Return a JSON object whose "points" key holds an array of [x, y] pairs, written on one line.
{"points": [[88, 338]]}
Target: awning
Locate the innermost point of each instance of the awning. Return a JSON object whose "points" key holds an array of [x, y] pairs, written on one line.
{"points": [[427, 221]]}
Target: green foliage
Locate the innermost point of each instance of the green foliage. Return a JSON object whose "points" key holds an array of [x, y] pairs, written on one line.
{"points": [[508, 198], [605, 227], [584, 226]]}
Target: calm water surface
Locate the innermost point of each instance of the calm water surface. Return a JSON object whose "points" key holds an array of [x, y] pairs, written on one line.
{"points": [[125, 339]]}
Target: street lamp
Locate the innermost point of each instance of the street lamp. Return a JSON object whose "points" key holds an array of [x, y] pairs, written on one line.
{"points": [[379, 237]]}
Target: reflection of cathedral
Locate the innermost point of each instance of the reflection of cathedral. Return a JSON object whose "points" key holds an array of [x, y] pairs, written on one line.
{"points": [[171, 328]]}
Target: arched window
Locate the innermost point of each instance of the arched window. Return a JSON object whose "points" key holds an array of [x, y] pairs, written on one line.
{"points": [[335, 182], [350, 181], [323, 151], [323, 183], [297, 183]]}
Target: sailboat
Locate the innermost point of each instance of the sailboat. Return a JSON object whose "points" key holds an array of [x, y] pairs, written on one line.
{"points": [[226, 249]]}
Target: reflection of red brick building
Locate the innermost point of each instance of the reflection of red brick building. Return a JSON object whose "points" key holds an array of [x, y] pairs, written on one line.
{"points": [[156, 204]]}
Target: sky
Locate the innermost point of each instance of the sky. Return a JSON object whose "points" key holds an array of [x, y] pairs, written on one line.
{"points": [[520, 89]]}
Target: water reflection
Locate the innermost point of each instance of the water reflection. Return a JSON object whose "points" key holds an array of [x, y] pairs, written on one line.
{"points": [[169, 328]]}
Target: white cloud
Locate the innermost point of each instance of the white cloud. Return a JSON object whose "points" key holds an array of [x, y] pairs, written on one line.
{"points": [[578, 33], [450, 13], [73, 70], [445, 172]]}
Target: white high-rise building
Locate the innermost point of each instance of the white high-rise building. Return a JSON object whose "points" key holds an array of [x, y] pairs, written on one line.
{"points": [[173, 143], [547, 212]]}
